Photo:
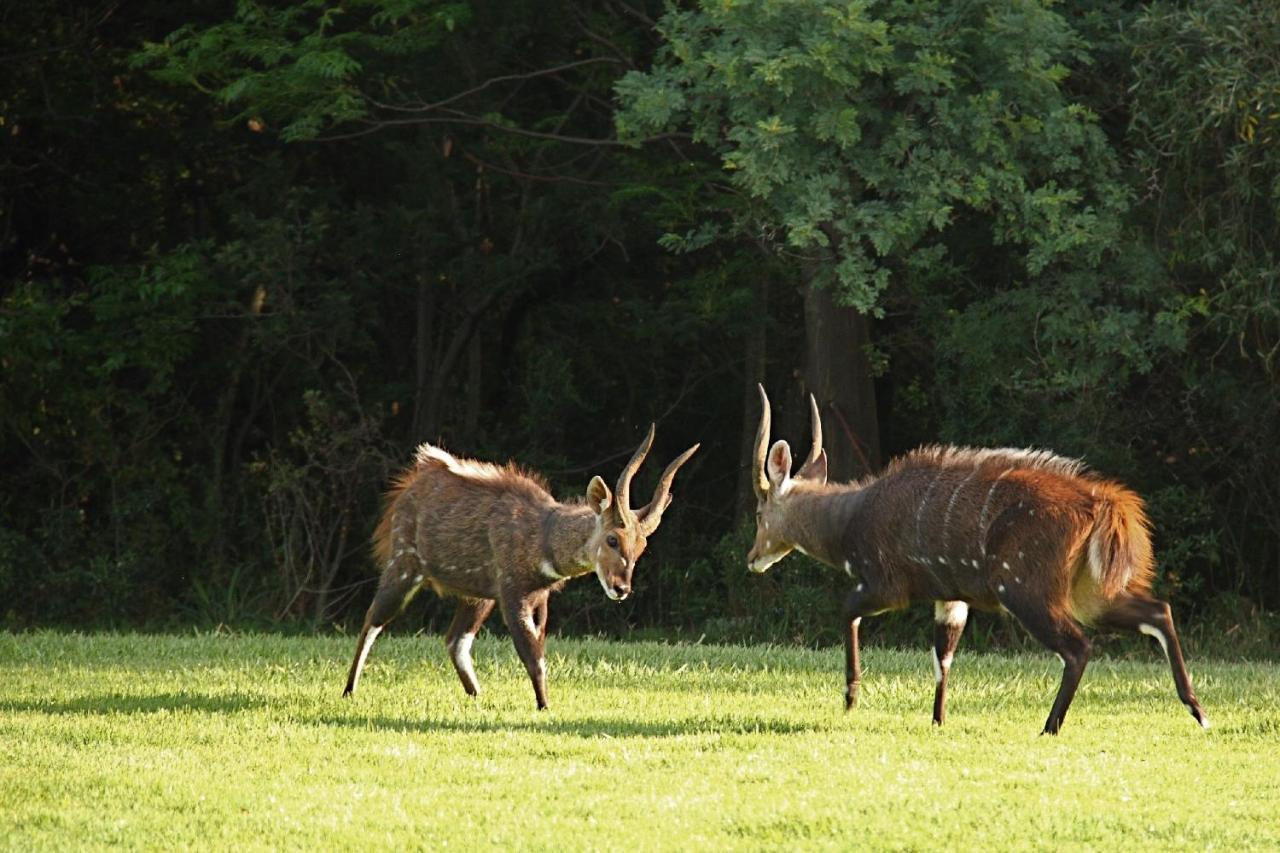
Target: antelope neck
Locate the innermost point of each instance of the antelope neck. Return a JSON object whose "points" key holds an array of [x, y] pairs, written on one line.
{"points": [[566, 531], [820, 518]]}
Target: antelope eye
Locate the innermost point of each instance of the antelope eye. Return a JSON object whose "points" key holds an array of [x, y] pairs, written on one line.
{"points": [[612, 541]]}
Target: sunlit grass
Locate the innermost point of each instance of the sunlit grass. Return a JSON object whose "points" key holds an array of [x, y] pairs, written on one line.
{"points": [[244, 742]]}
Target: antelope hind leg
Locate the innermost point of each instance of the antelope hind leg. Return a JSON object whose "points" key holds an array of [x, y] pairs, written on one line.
{"points": [[1150, 616], [395, 590]]}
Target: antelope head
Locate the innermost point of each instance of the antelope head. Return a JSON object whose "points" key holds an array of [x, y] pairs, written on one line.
{"points": [[621, 532], [774, 486]]}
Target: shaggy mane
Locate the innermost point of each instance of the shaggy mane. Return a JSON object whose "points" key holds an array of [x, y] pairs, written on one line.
{"points": [[949, 456]]}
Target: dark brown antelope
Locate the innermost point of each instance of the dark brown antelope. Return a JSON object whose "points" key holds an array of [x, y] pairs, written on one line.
{"points": [[491, 534], [1019, 530]]}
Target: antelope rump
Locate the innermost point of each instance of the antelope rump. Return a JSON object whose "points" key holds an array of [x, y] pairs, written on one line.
{"points": [[998, 529], [491, 536]]}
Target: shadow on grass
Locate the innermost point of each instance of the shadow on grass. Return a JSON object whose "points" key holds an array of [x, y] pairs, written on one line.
{"points": [[588, 727], [115, 703]]}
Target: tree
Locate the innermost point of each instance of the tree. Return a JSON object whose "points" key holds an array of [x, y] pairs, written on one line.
{"points": [[871, 140]]}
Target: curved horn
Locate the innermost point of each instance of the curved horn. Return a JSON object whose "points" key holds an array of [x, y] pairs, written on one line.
{"points": [[651, 515], [759, 479], [622, 494], [815, 449]]}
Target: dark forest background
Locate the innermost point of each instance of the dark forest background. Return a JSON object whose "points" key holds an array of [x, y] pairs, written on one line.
{"points": [[253, 253]]}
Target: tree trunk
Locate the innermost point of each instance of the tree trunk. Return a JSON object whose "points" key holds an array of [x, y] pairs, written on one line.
{"points": [[475, 380], [423, 426], [838, 374]]}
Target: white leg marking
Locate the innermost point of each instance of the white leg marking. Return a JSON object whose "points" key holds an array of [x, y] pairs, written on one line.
{"points": [[460, 651], [364, 652], [937, 668], [1153, 631], [951, 613]]}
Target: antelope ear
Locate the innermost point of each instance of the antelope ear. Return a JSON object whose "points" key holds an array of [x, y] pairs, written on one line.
{"points": [[599, 498], [778, 464], [816, 470]]}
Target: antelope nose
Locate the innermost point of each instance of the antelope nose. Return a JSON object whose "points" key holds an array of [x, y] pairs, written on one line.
{"points": [[621, 591]]}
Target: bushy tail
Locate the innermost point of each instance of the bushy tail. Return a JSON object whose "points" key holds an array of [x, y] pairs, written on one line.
{"points": [[1120, 555]]}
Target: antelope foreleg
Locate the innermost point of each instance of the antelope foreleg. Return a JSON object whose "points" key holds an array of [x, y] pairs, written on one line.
{"points": [[519, 615], [861, 602], [467, 620], [949, 618]]}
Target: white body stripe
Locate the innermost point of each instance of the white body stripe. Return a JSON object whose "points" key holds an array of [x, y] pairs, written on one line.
{"points": [[923, 503], [951, 504]]}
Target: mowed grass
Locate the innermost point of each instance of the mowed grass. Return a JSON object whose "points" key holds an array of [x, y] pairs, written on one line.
{"points": [[244, 742]]}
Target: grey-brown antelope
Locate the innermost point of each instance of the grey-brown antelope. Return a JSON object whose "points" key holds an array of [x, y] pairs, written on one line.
{"points": [[1019, 530], [491, 534]]}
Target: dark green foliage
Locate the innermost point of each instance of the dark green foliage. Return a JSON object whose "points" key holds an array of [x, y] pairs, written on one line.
{"points": [[251, 254]]}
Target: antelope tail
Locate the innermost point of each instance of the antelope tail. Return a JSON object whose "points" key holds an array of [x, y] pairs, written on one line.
{"points": [[1120, 555]]}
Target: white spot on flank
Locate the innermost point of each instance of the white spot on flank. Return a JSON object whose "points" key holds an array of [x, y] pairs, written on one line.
{"points": [[942, 561], [1000, 589], [1006, 566], [848, 569], [1153, 631], [859, 588], [1021, 555], [405, 576], [418, 579]]}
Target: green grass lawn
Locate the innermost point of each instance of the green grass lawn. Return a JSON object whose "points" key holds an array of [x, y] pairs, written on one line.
{"points": [[244, 742]]}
